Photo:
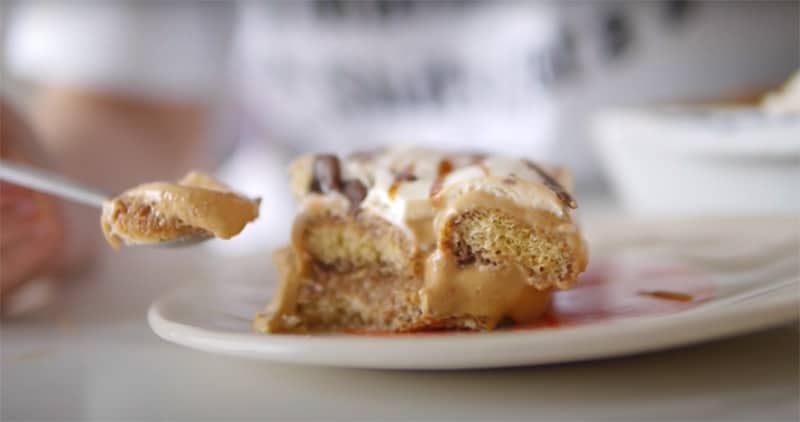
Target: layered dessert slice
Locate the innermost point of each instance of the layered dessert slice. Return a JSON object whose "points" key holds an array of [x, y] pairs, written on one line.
{"points": [[197, 205], [412, 239]]}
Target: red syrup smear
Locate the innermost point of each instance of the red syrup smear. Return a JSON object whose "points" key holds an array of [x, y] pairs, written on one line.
{"points": [[609, 291]]}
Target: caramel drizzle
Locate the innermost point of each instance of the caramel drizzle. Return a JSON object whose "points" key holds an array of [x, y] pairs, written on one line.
{"points": [[553, 185], [393, 190], [445, 168], [404, 175], [665, 295]]}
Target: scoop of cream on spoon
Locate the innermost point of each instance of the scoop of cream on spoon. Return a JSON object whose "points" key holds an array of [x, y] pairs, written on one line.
{"points": [[184, 213], [176, 214]]}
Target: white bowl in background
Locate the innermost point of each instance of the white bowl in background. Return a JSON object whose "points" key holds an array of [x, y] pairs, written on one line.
{"points": [[701, 160]]}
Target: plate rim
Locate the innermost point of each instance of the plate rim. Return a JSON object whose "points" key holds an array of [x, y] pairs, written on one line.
{"points": [[607, 339]]}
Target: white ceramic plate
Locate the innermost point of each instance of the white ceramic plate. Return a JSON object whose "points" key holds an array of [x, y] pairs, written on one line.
{"points": [[650, 287]]}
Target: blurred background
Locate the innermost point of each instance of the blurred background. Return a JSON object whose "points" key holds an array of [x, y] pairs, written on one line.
{"points": [[121, 92]]}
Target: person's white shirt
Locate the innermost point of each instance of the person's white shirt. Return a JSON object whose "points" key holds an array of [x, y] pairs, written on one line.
{"points": [[511, 77]]}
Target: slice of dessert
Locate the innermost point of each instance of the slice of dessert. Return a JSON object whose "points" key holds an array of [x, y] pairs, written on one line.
{"points": [[155, 212], [413, 239]]}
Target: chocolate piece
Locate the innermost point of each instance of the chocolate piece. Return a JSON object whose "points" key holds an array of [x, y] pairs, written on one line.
{"points": [[405, 175], [552, 184], [327, 178], [327, 174], [355, 191]]}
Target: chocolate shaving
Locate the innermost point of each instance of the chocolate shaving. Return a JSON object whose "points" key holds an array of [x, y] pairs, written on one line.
{"points": [[327, 174], [405, 175], [355, 191], [327, 178], [552, 184]]}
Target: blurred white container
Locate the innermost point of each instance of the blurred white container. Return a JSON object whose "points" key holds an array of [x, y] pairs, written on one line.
{"points": [[701, 160]]}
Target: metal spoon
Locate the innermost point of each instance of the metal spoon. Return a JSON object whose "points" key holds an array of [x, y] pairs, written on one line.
{"points": [[47, 182]]}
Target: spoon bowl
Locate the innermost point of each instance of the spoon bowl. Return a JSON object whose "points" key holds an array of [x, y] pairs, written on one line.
{"points": [[57, 185]]}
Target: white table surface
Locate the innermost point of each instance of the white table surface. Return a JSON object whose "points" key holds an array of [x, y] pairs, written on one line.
{"points": [[91, 356]]}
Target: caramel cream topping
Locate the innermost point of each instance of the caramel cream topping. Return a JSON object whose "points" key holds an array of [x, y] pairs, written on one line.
{"points": [[493, 293], [419, 191], [161, 211], [406, 185]]}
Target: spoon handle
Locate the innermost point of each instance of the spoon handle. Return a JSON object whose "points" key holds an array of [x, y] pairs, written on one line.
{"points": [[44, 181]]}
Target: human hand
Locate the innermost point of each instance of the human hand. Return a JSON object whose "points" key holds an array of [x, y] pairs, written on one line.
{"points": [[31, 224]]}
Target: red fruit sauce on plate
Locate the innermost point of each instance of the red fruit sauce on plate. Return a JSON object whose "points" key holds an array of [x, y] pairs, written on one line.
{"points": [[613, 290]]}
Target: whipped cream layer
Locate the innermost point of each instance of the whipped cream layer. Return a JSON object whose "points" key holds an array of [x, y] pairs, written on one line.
{"points": [[409, 186]]}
